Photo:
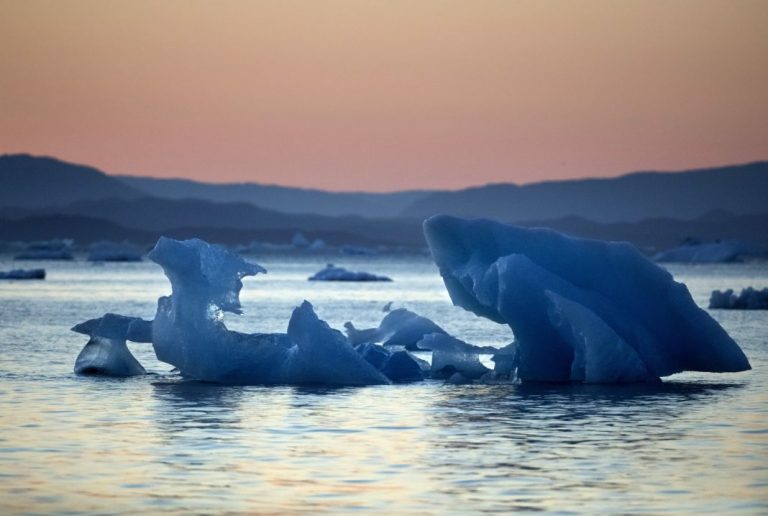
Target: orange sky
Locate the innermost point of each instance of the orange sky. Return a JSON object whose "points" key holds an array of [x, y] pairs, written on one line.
{"points": [[384, 95]]}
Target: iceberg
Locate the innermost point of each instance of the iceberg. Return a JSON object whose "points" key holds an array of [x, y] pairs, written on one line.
{"points": [[317, 245], [106, 352], [23, 274], [748, 299], [580, 310], [105, 251], [399, 327], [189, 331], [299, 240], [332, 273], [47, 250]]}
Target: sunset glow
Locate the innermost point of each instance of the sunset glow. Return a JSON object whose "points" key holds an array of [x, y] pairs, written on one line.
{"points": [[385, 95]]}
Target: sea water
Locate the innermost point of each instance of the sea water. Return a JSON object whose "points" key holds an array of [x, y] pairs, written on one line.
{"points": [[696, 443]]}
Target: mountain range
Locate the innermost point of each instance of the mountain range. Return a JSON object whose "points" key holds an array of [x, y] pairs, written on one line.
{"points": [[43, 197]]}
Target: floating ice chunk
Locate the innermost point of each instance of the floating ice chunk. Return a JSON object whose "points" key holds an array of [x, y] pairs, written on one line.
{"points": [[23, 274], [375, 354], [47, 250], [105, 251], [558, 294], [451, 355], [748, 299], [332, 273], [299, 240], [189, 333], [399, 327], [106, 353], [323, 355], [397, 366], [317, 245], [403, 367]]}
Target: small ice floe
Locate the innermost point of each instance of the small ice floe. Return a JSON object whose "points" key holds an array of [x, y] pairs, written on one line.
{"points": [[748, 299], [105, 251], [47, 250], [106, 353], [333, 273], [399, 327], [23, 274]]}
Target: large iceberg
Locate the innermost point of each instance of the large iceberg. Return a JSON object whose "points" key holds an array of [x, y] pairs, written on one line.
{"points": [[189, 332], [581, 310], [334, 273], [106, 352], [399, 327]]}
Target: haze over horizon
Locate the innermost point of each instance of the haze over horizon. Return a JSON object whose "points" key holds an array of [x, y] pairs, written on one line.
{"points": [[382, 96]]}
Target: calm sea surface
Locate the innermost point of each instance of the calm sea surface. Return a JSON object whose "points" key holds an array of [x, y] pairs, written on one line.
{"points": [[696, 444]]}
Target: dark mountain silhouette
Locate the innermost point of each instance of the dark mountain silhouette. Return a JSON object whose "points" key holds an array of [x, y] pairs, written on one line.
{"points": [[85, 230], [166, 215], [34, 182], [45, 198], [740, 189], [656, 234], [281, 198]]}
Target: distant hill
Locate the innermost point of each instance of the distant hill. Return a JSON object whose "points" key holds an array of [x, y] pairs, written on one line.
{"points": [[47, 198], [85, 230], [655, 234], [33, 182], [739, 189], [281, 198], [168, 215]]}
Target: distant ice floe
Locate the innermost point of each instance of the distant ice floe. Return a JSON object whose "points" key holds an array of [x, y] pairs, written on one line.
{"points": [[106, 251], [333, 273], [23, 274], [106, 353], [581, 310], [47, 250], [748, 299], [725, 251]]}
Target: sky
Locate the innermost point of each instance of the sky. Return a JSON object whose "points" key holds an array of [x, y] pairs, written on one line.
{"points": [[385, 95]]}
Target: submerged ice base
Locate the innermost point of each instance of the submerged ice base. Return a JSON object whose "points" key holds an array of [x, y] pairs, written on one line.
{"points": [[581, 310], [189, 333]]}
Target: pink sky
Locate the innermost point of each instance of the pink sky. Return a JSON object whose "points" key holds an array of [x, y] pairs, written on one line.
{"points": [[385, 95]]}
